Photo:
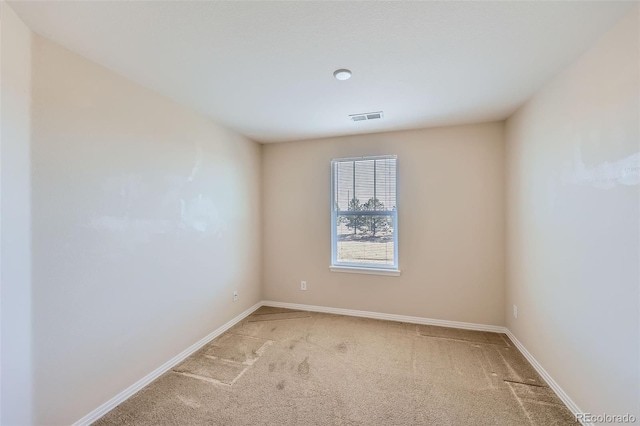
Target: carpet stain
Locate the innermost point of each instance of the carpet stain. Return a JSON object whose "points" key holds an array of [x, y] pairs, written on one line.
{"points": [[342, 347], [525, 384], [280, 385], [272, 367], [303, 368], [210, 370], [188, 402]]}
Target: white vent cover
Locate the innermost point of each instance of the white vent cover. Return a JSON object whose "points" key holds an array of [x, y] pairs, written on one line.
{"points": [[366, 116]]}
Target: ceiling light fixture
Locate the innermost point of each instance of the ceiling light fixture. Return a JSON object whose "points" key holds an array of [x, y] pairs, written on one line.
{"points": [[342, 74]]}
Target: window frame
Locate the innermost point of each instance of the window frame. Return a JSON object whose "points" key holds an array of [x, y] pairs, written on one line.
{"points": [[364, 268]]}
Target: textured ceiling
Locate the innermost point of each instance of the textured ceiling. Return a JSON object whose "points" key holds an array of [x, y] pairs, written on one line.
{"points": [[265, 68]]}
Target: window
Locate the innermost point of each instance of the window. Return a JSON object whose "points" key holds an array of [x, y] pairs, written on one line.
{"points": [[364, 215]]}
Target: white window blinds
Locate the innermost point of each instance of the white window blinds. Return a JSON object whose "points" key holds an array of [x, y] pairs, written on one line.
{"points": [[364, 212]]}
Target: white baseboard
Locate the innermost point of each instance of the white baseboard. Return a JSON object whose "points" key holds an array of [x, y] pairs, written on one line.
{"points": [[125, 394], [388, 317], [547, 378]]}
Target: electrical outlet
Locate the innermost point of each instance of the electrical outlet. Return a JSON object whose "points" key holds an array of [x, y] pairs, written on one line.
{"points": [[235, 296], [515, 311], [303, 285]]}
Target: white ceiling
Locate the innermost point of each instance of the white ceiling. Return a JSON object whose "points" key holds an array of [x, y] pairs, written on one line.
{"points": [[265, 68]]}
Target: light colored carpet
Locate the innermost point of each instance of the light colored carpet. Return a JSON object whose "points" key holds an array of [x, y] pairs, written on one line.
{"points": [[283, 367]]}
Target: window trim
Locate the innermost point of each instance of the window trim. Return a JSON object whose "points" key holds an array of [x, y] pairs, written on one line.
{"points": [[363, 268], [366, 271]]}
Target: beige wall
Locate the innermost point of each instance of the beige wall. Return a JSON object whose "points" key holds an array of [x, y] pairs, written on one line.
{"points": [[146, 217], [451, 224], [15, 227], [573, 212]]}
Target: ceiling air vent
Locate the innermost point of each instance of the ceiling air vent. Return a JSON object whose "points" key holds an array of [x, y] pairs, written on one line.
{"points": [[366, 116]]}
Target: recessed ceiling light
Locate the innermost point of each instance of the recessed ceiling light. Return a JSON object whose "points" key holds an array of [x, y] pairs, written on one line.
{"points": [[342, 74]]}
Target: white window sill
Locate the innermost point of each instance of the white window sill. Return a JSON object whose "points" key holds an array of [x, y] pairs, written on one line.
{"points": [[369, 271]]}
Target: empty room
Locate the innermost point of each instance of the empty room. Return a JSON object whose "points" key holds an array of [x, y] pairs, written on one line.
{"points": [[319, 213]]}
